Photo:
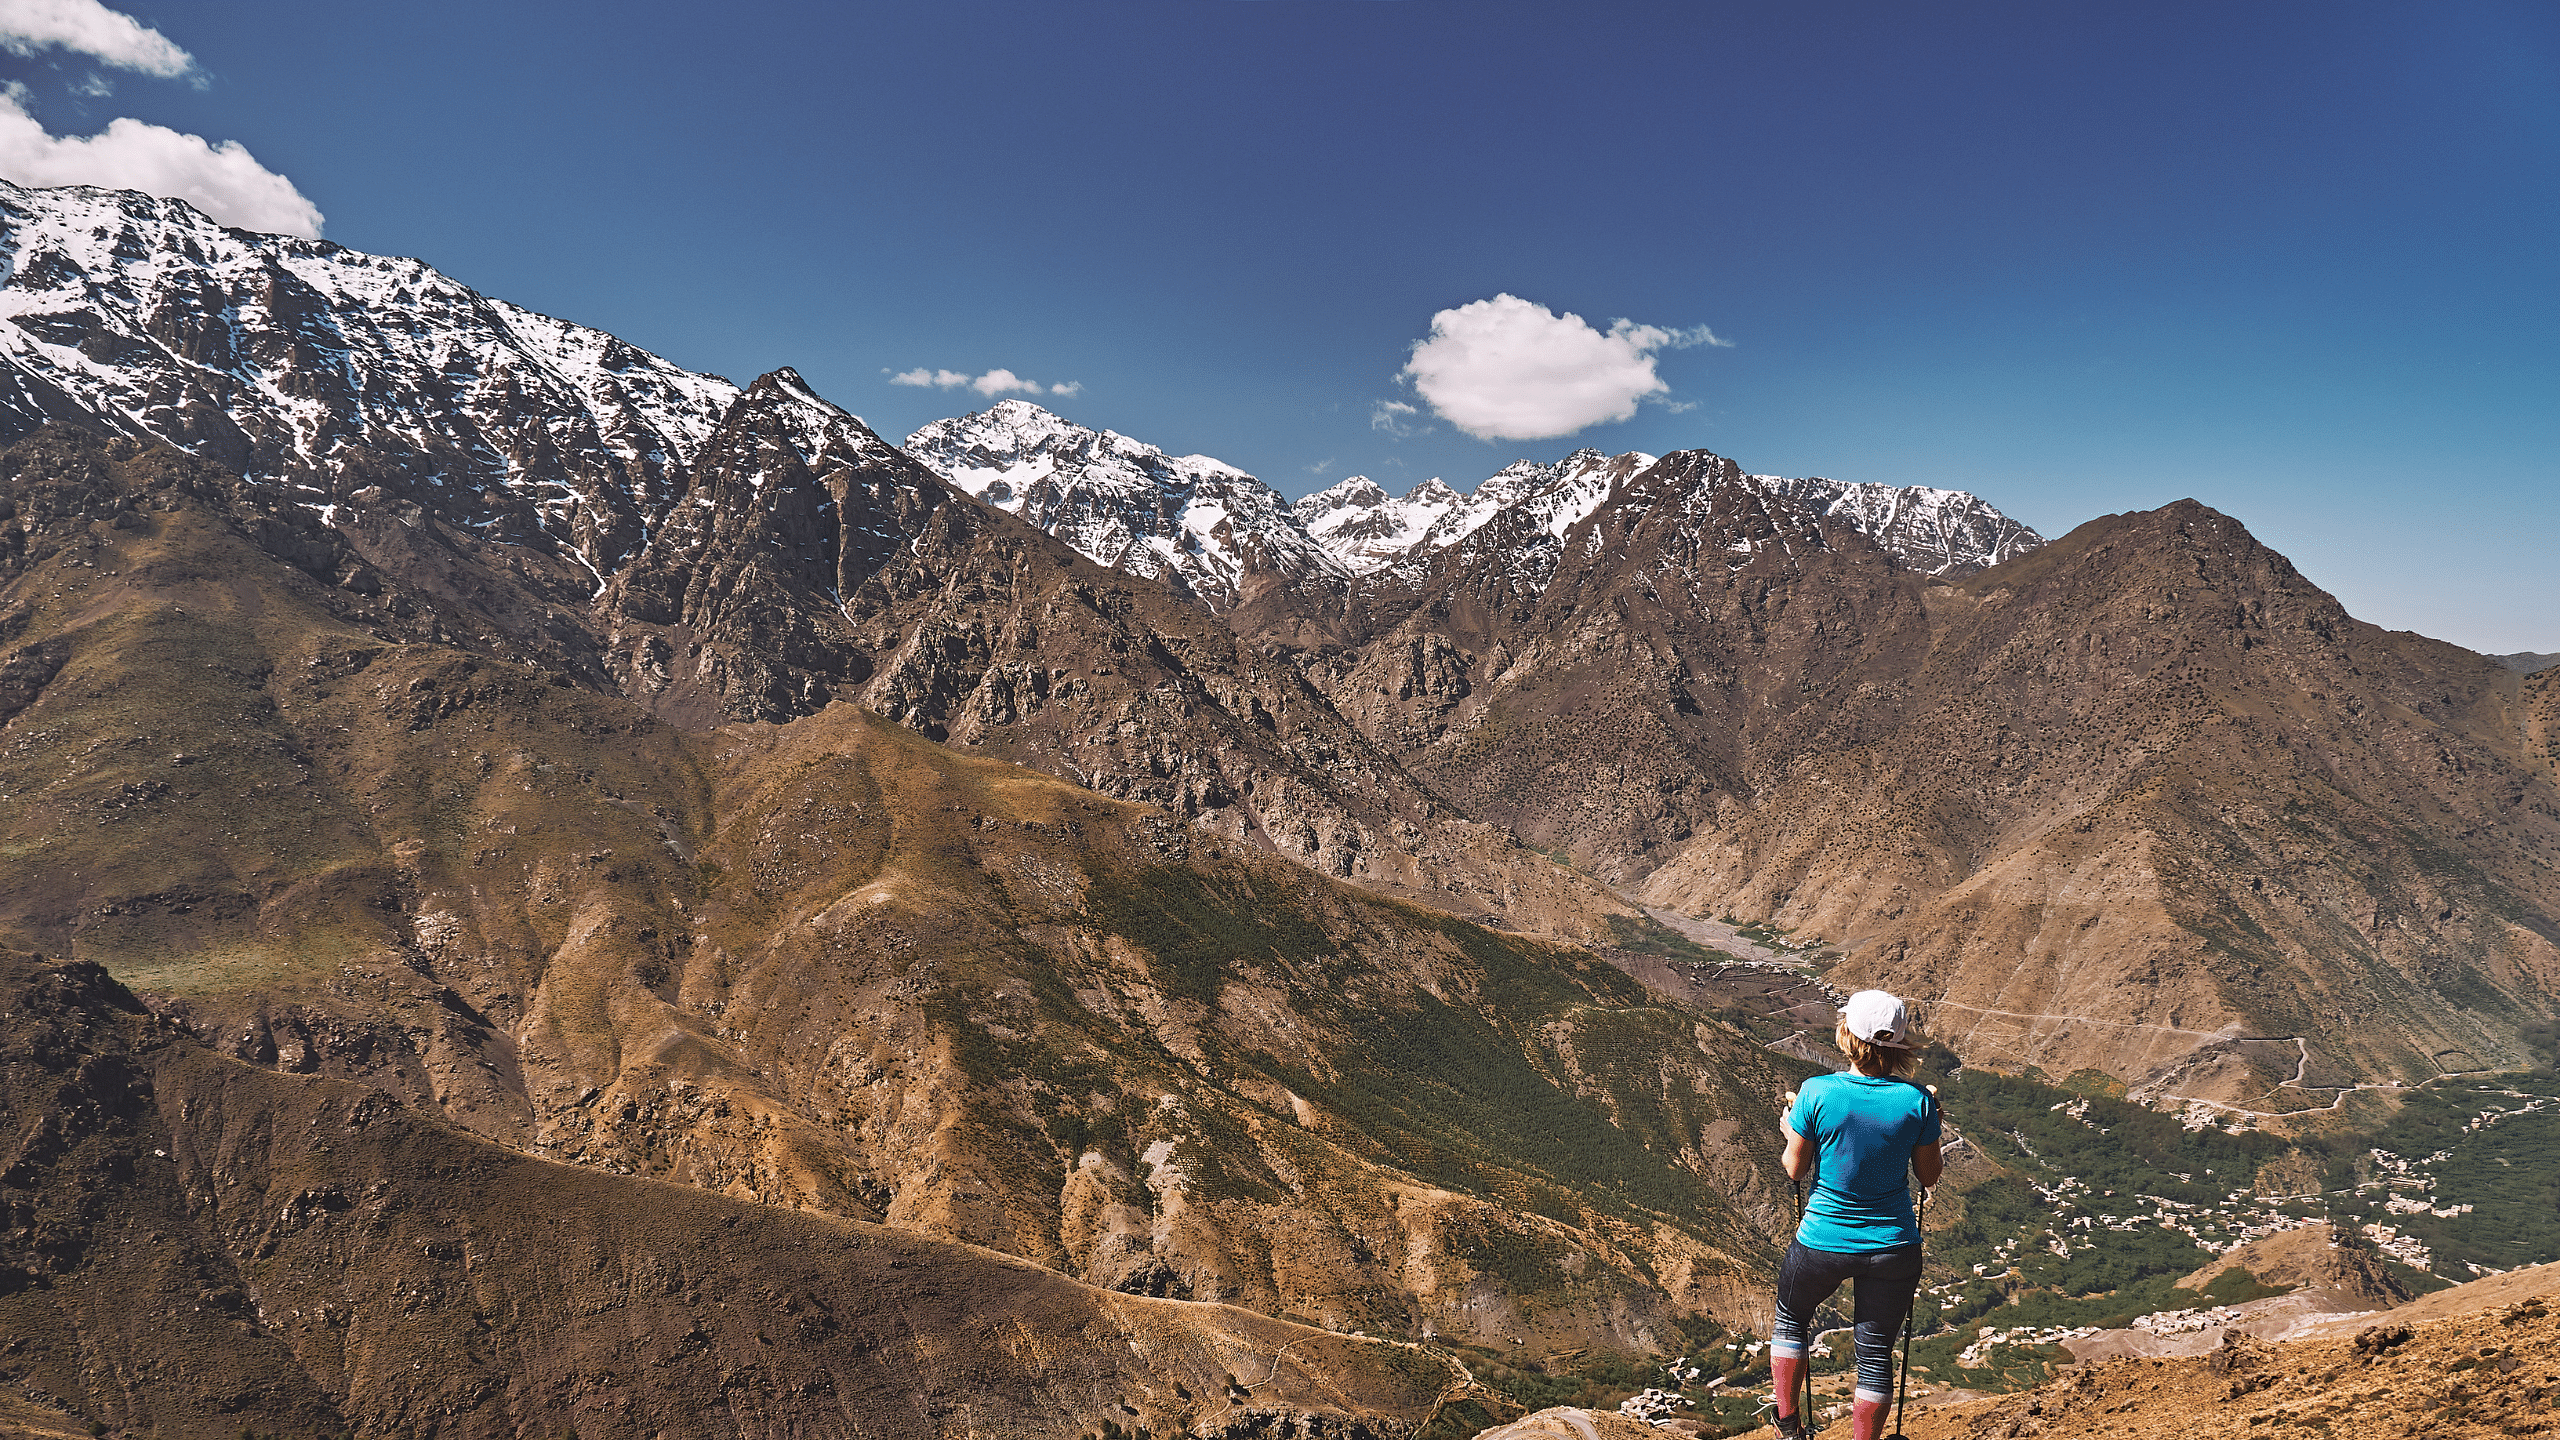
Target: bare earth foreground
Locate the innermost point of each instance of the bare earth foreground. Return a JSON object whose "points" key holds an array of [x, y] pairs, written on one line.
{"points": [[2478, 1360]]}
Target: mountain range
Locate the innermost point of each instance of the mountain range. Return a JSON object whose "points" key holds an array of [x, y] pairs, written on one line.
{"points": [[1028, 854]]}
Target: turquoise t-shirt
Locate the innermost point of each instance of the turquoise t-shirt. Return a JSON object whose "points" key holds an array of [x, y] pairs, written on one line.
{"points": [[1863, 1131]]}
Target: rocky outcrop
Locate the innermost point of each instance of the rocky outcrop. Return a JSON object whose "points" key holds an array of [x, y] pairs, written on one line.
{"points": [[2309, 1257]]}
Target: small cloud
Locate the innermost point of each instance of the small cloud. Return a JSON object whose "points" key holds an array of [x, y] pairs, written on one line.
{"points": [[1510, 369], [1691, 338], [89, 28], [1394, 417], [224, 181], [1321, 466], [1681, 407], [94, 86], [995, 382]]}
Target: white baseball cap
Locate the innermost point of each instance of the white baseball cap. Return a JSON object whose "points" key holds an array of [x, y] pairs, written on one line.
{"points": [[1878, 1019]]}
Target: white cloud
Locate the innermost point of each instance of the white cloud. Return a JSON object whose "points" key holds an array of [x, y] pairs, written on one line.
{"points": [[224, 181], [998, 381], [1392, 416], [90, 28], [1510, 369]]}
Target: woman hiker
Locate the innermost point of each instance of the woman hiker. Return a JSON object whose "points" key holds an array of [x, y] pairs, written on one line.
{"points": [[1854, 1135]]}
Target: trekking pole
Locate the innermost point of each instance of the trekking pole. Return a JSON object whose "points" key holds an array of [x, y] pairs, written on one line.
{"points": [[1911, 1316], [1910, 1322]]}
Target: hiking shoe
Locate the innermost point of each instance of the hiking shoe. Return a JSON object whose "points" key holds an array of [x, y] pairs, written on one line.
{"points": [[1790, 1427]]}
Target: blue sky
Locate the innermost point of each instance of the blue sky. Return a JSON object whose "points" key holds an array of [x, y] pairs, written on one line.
{"points": [[2296, 261]]}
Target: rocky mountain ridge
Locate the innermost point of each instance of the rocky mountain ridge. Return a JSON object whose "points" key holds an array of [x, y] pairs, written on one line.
{"points": [[1729, 702], [323, 371], [682, 783], [1934, 531]]}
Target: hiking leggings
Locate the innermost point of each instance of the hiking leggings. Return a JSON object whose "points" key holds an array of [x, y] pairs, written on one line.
{"points": [[1886, 1281]]}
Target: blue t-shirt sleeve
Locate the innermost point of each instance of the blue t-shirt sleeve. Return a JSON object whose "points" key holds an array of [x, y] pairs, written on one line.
{"points": [[1800, 1115], [1929, 1127]]}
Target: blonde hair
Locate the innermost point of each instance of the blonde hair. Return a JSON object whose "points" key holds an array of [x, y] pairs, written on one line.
{"points": [[1871, 1058]]}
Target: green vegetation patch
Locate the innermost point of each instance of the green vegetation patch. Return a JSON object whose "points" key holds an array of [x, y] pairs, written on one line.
{"points": [[1647, 936], [2498, 1137], [2110, 1145], [1195, 927]]}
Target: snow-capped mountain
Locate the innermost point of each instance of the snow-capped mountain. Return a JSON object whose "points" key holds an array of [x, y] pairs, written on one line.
{"points": [[1365, 527], [323, 370], [1937, 532], [1201, 526], [326, 369], [1371, 529]]}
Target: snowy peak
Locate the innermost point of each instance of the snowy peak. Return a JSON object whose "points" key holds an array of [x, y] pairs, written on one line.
{"points": [[1365, 527], [321, 369], [818, 431], [1555, 496], [1198, 524], [1933, 531], [1369, 530]]}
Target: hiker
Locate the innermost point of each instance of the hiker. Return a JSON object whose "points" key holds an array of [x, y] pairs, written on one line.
{"points": [[1854, 1136]]}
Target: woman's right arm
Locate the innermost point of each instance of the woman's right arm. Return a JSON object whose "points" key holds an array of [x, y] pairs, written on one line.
{"points": [[1800, 1156], [1927, 1163]]}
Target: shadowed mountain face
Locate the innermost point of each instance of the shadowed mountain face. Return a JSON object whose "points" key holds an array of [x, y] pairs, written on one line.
{"points": [[832, 965], [2112, 805]]}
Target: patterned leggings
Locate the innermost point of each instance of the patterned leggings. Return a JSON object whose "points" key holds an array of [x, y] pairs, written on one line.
{"points": [[1886, 1282]]}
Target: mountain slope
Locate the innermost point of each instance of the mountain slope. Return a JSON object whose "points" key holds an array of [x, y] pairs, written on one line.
{"points": [[2147, 802], [201, 1245], [832, 964], [2152, 784]]}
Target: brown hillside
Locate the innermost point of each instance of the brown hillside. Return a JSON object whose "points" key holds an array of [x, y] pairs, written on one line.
{"points": [[199, 1246], [832, 964], [2134, 796]]}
